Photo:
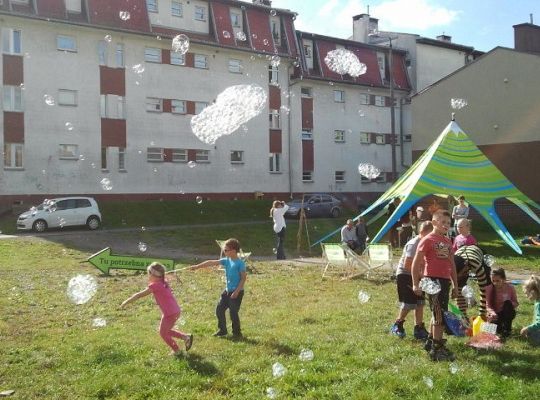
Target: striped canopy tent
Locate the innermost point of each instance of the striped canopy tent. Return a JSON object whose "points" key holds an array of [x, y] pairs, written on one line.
{"points": [[454, 164]]}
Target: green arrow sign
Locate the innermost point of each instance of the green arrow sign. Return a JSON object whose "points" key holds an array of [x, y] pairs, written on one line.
{"points": [[104, 261]]}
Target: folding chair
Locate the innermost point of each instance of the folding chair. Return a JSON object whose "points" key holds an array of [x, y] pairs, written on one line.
{"points": [[241, 254], [334, 255], [378, 256]]}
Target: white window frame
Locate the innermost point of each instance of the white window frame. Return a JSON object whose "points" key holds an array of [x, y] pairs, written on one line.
{"points": [[178, 58], [273, 74], [152, 54], [306, 92], [235, 66], [103, 106], [13, 98], [70, 39], [154, 104], [307, 134], [202, 156], [199, 13], [339, 96], [120, 107], [236, 19], [237, 156], [307, 176], [152, 6], [365, 138], [199, 106], [339, 136], [308, 50], [121, 159], [339, 176], [119, 55], [178, 106], [74, 6], [274, 119], [380, 101], [380, 139], [155, 154], [67, 97], [11, 41], [275, 163], [364, 99], [10, 155], [68, 152], [179, 155], [177, 9], [102, 52], [200, 61], [276, 36]]}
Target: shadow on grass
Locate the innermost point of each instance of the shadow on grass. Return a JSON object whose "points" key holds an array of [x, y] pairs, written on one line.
{"points": [[200, 365], [280, 348], [512, 364]]}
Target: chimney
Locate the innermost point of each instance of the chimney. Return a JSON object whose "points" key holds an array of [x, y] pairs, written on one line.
{"points": [[527, 38], [444, 38], [363, 26], [267, 3]]}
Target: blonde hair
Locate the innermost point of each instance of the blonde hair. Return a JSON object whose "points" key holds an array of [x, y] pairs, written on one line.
{"points": [[531, 288], [156, 269]]}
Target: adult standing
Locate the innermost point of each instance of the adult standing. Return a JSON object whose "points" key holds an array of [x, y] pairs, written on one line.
{"points": [[394, 234], [277, 213], [362, 234], [460, 211]]}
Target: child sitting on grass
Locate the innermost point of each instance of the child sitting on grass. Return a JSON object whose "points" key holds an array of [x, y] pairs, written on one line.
{"points": [[501, 302], [231, 297], [532, 291], [167, 303]]}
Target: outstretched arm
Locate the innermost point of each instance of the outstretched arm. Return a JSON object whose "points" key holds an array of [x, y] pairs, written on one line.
{"points": [[136, 296], [205, 264]]}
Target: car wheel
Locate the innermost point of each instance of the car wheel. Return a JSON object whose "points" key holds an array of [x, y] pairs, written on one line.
{"points": [[39, 226], [336, 212], [93, 223]]}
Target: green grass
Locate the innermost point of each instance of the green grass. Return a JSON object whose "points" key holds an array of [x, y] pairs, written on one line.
{"points": [[50, 350]]}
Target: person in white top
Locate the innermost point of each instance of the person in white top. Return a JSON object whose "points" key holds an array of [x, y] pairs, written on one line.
{"points": [[277, 213]]}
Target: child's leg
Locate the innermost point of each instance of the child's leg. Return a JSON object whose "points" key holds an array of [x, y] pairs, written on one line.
{"points": [[419, 314], [505, 318], [221, 307], [234, 308], [165, 330], [178, 334]]}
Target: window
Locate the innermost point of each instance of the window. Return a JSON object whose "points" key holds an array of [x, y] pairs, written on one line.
{"points": [[237, 156], [200, 13], [381, 178], [121, 158], [340, 176], [306, 92], [13, 155], [274, 119], [202, 156], [379, 139], [235, 66], [68, 152], [152, 5], [365, 137], [13, 98], [179, 155], [154, 154], [112, 106], [339, 136], [176, 9], [379, 101], [274, 162], [339, 96], [102, 52], [120, 107], [200, 61], [178, 58], [73, 6], [307, 176], [104, 156], [153, 104], [66, 43], [275, 26], [307, 134], [363, 179], [273, 74], [151, 54], [11, 41], [120, 55], [82, 203], [236, 20], [307, 50], [407, 138], [178, 106], [364, 98], [199, 106], [103, 103], [67, 97]]}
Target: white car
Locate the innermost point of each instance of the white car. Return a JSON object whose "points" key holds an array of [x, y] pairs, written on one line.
{"points": [[61, 212]]}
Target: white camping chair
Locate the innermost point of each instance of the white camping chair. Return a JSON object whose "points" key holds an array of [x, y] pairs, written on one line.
{"points": [[379, 256], [335, 256]]}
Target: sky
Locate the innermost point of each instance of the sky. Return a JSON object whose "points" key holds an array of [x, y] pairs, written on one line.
{"points": [[482, 24]]}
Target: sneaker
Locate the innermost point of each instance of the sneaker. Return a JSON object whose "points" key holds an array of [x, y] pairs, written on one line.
{"points": [[220, 334], [441, 353], [398, 330], [420, 332], [428, 344], [189, 342]]}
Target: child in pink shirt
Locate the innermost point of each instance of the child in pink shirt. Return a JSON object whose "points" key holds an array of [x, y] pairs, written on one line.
{"points": [[167, 303], [464, 238], [501, 302]]}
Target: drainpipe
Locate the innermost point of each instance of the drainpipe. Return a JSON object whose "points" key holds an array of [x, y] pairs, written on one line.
{"points": [[289, 116], [401, 139]]}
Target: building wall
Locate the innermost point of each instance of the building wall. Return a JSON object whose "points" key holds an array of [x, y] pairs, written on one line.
{"points": [[433, 63], [503, 118], [164, 18]]}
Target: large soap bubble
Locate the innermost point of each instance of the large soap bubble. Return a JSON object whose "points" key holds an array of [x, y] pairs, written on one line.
{"points": [[430, 286], [180, 44], [81, 288], [368, 170], [234, 106], [343, 62]]}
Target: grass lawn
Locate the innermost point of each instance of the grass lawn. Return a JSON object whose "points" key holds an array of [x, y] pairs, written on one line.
{"points": [[50, 349]]}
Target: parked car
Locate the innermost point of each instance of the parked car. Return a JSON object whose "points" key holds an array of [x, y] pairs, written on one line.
{"points": [[61, 212], [315, 205]]}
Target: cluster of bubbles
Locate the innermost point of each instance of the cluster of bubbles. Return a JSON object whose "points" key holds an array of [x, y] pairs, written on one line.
{"points": [[285, 110], [489, 260], [81, 288], [142, 247], [368, 170], [306, 355], [458, 104], [138, 69], [241, 36], [363, 297], [343, 62], [233, 107], [428, 381], [180, 44], [99, 322], [124, 15], [489, 328], [49, 100], [69, 126], [106, 184], [430, 286], [108, 38], [278, 370], [275, 61]]}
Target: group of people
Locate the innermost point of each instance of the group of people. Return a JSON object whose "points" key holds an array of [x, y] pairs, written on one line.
{"points": [[354, 235]]}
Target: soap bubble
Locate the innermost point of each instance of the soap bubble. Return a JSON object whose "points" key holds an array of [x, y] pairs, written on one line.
{"points": [[138, 68], [271, 393], [99, 322], [192, 164], [69, 126], [226, 34], [275, 61], [266, 42], [49, 100], [124, 15], [458, 104], [363, 297], [489, 260], [241, 36], [343, 62], [274, 250], [143, 229], [285, 110], [273, 13], [454, 368], [22, 86], [306, 355], [108, 38], [106, 184], [81, 288], [142, 247], [368, 170], [233, 107], [180, 44], [467, 292], [278, 370], [198, 200], [428, 381], [430, 286]]}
